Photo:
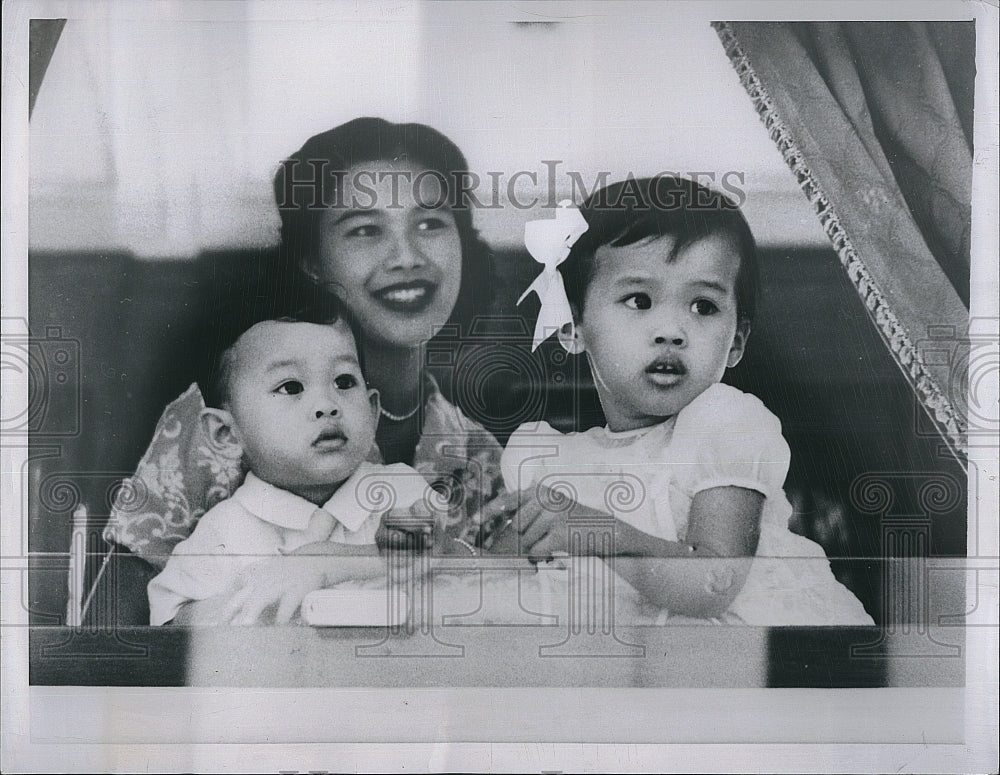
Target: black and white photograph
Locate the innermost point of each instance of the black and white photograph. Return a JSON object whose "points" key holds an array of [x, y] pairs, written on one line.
{"points": [[500, 386]]}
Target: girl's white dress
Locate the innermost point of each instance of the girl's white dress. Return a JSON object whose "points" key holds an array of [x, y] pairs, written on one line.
{"points": [[649, 477]]}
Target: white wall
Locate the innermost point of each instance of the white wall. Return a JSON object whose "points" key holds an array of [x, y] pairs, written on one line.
{"points": [[159, 133]]}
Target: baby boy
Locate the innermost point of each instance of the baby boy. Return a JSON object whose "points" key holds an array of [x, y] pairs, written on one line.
{"points": [[285, 391]]}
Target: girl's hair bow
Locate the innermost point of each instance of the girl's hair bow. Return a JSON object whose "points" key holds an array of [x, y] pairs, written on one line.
{"points": [[549, 242]]}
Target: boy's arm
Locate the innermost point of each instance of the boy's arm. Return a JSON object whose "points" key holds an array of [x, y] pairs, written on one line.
{"points": [[199, 588], [200, 567], [283, 581], [279, 583], [195, 613], [333, 549]]}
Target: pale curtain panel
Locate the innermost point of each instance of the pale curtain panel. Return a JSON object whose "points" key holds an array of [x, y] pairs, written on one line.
{"points": [[160, 136], [139, 140], [875, 120]]}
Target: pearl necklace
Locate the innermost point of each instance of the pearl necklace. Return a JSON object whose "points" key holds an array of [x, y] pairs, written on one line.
{"points": [[398, 417]]}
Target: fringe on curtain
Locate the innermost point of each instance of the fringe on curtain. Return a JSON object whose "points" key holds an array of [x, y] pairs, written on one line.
{"points": [[947, 421]]}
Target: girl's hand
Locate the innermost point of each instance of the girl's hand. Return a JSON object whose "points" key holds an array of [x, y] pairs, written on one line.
{"points": [[281, 581], [543, 521], [543, 531]]}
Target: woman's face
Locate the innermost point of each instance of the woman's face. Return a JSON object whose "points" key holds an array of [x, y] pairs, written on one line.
{"points": [[396, 264]]}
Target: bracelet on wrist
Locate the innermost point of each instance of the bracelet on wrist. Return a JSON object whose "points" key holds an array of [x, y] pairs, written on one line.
{"points": [[472, 550]]}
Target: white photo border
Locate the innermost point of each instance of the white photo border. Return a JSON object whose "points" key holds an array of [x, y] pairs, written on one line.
{"points": [[30, 715]]}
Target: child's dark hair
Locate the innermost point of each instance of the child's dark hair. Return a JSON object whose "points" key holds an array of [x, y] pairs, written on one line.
{"points": [[323, 161], [631, 210], [295, 302]]}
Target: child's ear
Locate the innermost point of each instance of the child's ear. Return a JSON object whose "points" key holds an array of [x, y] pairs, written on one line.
{"points": [[739, 343], [373, 399], [571, 336], [220, 428]]}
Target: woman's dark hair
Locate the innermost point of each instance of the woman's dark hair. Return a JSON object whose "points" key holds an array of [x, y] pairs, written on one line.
{"points": [[632, 210], [292, 302], [308, 182]]}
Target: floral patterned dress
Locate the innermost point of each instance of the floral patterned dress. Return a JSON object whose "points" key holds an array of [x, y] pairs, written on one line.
{"points": [[182, 476]]}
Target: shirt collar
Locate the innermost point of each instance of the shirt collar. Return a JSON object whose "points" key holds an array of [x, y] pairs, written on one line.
{"points": [[292, 512], [346, 505]]}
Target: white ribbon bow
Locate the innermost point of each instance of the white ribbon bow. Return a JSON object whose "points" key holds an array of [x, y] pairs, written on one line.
{"points": [[549, 242]]}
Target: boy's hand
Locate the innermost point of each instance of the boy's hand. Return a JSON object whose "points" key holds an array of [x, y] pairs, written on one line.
{"points": [[405, 529], [283, 580]]}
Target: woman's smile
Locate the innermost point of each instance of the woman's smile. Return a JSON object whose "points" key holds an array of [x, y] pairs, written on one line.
{"points": [[408, 297]]}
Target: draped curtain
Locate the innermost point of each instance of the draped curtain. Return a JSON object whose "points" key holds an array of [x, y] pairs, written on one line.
{"points": [[875, 121]]}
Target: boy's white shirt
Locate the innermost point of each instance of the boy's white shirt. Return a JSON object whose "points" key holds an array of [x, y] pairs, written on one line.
{"points": [[260, 521]]}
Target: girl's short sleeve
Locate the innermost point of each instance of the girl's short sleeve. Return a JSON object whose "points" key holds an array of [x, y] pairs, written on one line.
{"points": [[727, 438]]}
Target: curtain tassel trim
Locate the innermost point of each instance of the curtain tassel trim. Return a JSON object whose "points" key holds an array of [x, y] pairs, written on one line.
{"points": [[948, 422]]}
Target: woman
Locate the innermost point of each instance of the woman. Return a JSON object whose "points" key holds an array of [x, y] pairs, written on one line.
{"points": [[373, 210]]}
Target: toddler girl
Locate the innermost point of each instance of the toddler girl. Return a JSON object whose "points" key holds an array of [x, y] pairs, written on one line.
{"points": [[660, 279]]}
